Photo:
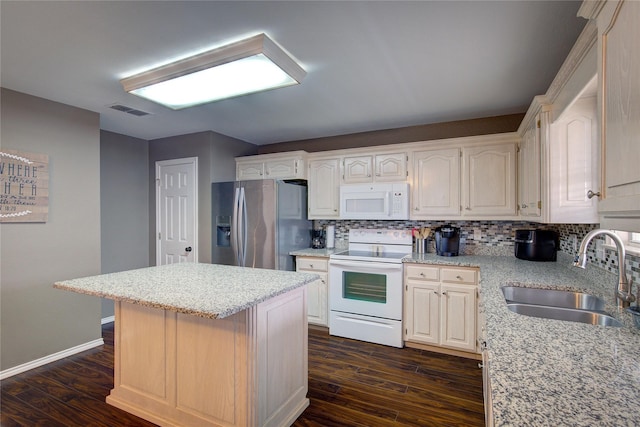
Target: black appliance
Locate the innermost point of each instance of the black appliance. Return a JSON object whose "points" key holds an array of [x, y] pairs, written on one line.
{"points": [[536, 245], [447, 240], [318, 239]]}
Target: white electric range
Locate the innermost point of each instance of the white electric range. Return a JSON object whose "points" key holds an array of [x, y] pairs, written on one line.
{"points": [[365, 295]]}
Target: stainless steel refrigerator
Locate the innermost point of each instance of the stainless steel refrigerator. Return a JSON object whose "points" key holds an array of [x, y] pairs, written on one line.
{"points": [[257, 223]]}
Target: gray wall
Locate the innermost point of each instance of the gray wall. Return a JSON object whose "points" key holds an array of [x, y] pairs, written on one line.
{"points": [[215, 153], [124, 205], [37, 320]]}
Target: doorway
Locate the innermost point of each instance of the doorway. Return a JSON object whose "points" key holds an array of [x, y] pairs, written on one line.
{"points": [[176, 211]]}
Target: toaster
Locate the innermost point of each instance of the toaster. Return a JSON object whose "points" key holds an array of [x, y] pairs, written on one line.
{"points": [[536, 245]]}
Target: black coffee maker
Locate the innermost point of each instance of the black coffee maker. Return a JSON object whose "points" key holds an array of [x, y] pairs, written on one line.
{"points": [[317, 239], [447, 240]]}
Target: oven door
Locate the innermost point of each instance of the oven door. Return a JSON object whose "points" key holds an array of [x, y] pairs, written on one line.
{"points": [[367, 288]]}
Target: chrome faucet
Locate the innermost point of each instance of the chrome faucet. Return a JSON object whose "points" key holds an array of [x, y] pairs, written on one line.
{"points": [[624, 296]]}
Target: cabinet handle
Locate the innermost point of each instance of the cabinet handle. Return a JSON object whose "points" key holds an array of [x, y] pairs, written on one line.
{"points": [[591, 194], [467, 208]]}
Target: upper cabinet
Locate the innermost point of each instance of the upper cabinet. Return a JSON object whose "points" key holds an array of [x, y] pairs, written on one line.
{"points": [[324, 188], [489, 180], [558, 171], [436, 183], [472, 177], [618, 32], [290, 165], [376, 168], [529, 201]]}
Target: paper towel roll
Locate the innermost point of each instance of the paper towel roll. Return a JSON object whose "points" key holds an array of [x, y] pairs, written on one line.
{"points": [[331, 236]]}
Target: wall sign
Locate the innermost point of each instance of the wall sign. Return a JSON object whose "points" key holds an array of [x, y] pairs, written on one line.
{"points": [[24, 186]]}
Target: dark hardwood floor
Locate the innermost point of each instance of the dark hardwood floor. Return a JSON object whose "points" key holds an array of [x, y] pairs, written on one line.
{"points": [[351, 383]]}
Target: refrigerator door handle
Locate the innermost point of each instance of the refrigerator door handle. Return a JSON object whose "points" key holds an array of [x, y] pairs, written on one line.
{"points": [[234, 227], [242, 228]]}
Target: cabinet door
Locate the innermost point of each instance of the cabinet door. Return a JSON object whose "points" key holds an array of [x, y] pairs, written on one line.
{"points": [[249, 170], [619, 43], [358, 169], [324, 188], [390, 167], [489, 180], [436, 183], [284, 168], [317, 298], [529, 172], [422, 312], [574, 164], [458, 319]]}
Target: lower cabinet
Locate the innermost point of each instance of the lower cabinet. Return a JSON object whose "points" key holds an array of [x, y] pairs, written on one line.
{"points": [[317, 292], [441, 306]]}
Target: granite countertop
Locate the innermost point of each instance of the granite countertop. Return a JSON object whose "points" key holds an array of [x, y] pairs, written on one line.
{"points": [[205, 290], [547, 372], [323, 253]]}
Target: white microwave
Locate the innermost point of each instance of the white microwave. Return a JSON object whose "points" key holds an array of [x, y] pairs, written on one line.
{"points": [[374, 201]]}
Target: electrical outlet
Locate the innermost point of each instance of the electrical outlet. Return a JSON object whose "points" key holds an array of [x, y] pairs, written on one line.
{"points": [[573, 241], [477, 234], [599, 249]]}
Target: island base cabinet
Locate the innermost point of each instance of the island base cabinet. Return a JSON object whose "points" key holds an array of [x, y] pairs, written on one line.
{"points": [[248, 369]]}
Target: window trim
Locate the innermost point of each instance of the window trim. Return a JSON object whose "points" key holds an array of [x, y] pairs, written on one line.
{"points": [[630, 239]]}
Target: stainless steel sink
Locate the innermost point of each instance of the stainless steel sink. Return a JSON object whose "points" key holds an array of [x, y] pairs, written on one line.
{"points": [[569, 314], [552, 298], [559, 305]]}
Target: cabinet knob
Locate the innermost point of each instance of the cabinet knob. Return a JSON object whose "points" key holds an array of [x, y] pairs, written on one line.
{"points": [[591, 194], [458, 277], [416, 209], [435, 292], [467, 208], [311, 265], [524, 206], [444, 293], [422, 274]]}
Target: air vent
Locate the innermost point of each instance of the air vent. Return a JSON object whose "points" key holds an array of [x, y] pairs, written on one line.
{"points": [[129, 110]]}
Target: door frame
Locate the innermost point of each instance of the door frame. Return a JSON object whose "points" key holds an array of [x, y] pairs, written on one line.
{"points": [[171, 162]]}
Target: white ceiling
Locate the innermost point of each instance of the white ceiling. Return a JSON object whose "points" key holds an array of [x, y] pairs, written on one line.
{"points": [[370, 65]]}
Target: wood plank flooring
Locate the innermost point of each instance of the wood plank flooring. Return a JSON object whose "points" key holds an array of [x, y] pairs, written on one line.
{"points": [[351, 383]]}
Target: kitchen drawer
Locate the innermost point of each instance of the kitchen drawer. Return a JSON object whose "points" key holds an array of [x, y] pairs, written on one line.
{"points": [[312, 264], [457, 275], [419, 272]]}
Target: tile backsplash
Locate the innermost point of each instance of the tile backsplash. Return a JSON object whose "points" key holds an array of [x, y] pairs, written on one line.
{"points": [[496, 238]]}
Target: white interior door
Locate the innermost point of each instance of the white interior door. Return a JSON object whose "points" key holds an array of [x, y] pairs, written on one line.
{"points": [[176, 210]]}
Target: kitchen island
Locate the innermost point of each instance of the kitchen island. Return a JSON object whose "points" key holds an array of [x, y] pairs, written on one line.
{"points": [[207, 345]]}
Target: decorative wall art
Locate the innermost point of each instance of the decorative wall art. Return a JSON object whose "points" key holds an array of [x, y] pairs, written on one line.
{"points": [[24, 186]]}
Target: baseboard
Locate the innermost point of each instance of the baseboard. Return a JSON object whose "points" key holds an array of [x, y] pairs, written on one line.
{"points": [[51, 358], [106, 320]]}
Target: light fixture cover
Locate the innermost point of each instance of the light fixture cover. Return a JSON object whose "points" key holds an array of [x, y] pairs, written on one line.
{"points": [[251, 65]]}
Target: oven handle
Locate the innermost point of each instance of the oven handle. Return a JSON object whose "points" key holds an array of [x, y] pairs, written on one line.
{"points": [[366, 266]]}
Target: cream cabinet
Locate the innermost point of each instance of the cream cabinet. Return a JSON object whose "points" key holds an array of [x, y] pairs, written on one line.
{"points": [[573, 154], [289, 165], [436, 183], [529, 197], [618, 24], [441, 306], [489, 180], [324, 188], [382, 167], [317, 292]]}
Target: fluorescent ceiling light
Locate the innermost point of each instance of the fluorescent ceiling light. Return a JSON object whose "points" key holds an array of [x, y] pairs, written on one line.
{"points": [[252, 65]]}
